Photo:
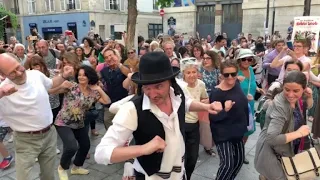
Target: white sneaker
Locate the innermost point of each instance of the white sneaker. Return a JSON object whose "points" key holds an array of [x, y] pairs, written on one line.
{"points": [[58, 151], [10, 140]]}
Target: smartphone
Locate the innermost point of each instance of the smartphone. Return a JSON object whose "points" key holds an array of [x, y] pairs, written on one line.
{"points": [[33, 38], [290, 45], [68, 33]]}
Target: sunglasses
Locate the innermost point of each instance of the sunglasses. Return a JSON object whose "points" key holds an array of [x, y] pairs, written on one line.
{"points": [[188, 61], [247, 59], [130, 52], [226, 75]]}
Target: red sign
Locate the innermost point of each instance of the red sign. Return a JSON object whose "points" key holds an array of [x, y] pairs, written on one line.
{"points": [[161, 12]]}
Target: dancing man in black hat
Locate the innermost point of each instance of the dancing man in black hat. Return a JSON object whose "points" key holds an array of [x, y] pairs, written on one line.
{"points": [[156, 118]]}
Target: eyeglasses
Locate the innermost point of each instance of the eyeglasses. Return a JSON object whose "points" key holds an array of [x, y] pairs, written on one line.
{"points": [[207, 58], [247, 59], [297, 46], [130, 52], [19, 69], [226, 75]]}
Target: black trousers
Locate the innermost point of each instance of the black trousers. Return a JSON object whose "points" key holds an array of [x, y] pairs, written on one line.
{"points": [[192, 141], [271, 79], [231, 159], [90, 118], [75, 142]]}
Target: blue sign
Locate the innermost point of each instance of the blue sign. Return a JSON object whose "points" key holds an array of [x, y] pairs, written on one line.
{"points": [[180, 3], [32, 25], [72, 24], [52, 30]]}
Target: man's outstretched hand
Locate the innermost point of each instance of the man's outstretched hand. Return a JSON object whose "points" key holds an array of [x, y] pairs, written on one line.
{"points": [[7, 90], [215, 107]]}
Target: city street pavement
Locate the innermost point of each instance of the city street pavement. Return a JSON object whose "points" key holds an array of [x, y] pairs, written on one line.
{"points": [[206, 168]]}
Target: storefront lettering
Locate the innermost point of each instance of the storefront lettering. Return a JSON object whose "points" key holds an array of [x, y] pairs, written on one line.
{"points": [[50, 21]]}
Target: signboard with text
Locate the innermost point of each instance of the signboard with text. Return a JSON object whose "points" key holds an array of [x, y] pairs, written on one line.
{"points": [[307, 27]]}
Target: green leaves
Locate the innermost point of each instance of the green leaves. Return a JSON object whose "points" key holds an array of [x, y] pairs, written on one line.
{"points": [[13, 17], [164, 3]]}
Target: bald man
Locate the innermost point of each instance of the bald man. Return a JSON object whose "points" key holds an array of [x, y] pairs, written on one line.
{"points": [[50, 56], [25, 107]]}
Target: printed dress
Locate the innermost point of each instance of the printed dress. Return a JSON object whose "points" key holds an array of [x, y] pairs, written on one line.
{"points": [[75, 105]]}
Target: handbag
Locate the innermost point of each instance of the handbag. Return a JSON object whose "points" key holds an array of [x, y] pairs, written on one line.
{"points": [[306, 164], [303, 166]]}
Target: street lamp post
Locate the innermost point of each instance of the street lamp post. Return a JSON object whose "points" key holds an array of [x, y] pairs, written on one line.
{"points": [[273, 17], [162, 14], [267, 22]]}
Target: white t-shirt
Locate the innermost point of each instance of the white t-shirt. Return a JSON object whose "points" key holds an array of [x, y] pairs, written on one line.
{"points": [[28, 109], [302, 59]]}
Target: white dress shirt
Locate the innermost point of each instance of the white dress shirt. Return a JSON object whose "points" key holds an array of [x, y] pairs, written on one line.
{"points": [[126, 122]]}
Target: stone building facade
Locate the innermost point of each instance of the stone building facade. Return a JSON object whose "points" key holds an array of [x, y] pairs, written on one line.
{"points": [[53, 17], [254, 15]]}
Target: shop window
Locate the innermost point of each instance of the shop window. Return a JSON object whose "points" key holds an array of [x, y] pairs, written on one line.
{"points": [[49, 5], [31, 6]]}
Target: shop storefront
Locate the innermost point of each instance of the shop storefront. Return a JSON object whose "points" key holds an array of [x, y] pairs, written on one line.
{"points": [[51, 26]]}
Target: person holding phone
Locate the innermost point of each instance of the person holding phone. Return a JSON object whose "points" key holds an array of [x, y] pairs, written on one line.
{"points": [[299, 48]]}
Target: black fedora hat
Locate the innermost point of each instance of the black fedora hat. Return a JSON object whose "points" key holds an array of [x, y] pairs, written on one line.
{"points": [[154, 67]]}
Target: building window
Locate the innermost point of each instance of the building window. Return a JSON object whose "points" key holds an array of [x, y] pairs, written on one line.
{"points": [[154, 30], [121, 5], [155, 7], [49, 5], [15, 8], [31, 6], [114, 5], [206, 15], [62, 5], [73, 4], [232, 13]]}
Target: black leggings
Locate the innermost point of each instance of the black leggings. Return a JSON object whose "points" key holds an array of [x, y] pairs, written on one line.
{"points": [[75, 142]]}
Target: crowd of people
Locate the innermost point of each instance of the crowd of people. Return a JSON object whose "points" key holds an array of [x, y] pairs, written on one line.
{"points": [[158, 101]]}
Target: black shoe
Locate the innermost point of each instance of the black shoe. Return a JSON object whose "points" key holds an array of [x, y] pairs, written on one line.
{"points": [[245, 161]]}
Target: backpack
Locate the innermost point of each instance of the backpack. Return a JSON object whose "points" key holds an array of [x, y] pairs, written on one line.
{"points": [[260, 113]]}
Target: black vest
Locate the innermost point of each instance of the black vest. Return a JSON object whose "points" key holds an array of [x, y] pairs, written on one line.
{"points": [[149, 127]]}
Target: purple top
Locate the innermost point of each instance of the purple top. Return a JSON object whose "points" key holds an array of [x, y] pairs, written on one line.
{"points": [[268, 60]]}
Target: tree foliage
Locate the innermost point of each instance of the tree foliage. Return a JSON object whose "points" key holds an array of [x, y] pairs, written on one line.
{"points": [[13, 20], [164, 3]]}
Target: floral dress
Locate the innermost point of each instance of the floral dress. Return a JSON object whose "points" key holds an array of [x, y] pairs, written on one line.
{"points": [[75, 105], [53, 98], [210, 78]]}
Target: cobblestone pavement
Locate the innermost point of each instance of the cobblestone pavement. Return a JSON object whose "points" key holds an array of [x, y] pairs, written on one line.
{"points": [[206, 168]]}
